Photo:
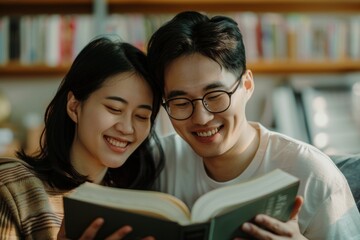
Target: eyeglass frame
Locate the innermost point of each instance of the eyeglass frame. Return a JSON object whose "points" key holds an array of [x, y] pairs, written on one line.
{"points": [[229, 93]]}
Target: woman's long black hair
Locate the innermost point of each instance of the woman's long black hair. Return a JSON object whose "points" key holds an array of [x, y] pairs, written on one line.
{"points": [[99, 60]]}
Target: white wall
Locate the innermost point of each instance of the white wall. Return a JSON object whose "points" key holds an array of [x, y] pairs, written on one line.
{"points": [[28, 97]]}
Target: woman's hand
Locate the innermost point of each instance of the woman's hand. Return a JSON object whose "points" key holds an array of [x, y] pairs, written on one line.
{"points": [[94, 227], [265, 227]]}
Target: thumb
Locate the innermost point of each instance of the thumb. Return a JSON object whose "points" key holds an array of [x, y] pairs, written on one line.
{"points": [[296, 208], [61, 234]]}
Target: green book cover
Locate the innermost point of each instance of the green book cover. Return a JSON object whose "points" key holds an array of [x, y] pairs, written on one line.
{"points": [[277, 204]]}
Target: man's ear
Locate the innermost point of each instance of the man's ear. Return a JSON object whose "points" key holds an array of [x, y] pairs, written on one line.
{"points": [[248, 83], [72, 106]]}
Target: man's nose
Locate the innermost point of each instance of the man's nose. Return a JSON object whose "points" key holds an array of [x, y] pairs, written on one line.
{"points": [[201, 115]]}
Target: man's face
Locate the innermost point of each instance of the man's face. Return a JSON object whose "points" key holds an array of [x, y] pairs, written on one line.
{"points": [[209, 134]]}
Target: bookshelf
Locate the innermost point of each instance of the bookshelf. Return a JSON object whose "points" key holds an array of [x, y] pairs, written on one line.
{"points": [[19, 7], [165, 6], [349, 7]]}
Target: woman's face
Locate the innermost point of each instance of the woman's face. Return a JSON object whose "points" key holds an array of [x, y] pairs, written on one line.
{"points": [[110, 124]]}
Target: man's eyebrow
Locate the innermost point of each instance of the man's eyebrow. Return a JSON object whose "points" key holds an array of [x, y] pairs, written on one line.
{"points": [[175, 93], [213, 85], [119, 99], [178, 93]]}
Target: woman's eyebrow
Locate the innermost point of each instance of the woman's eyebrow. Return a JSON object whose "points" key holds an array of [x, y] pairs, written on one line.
{"points": [[145, 106], [119, 99]]}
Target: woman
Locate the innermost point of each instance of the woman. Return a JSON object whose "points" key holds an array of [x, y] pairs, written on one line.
{"points": [[97, 128]]}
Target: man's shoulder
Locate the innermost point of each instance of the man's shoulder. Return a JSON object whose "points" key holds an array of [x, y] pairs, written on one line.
{"points": [[287, 143], [289, 151]]}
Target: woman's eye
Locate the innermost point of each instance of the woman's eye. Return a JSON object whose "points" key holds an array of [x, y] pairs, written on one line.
{"points": [[142, 117], [113, 109]]}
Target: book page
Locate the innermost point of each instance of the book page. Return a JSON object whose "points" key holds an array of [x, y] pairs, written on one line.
{"points": [[151, 203], [227, 198]]}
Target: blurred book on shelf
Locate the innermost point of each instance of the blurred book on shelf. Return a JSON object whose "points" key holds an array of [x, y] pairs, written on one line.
{"points": [[55, 39], [325, 108]]}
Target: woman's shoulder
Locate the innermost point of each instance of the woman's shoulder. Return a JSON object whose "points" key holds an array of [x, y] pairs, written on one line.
{"points": [[14, 170], [18, 183], [30, 207]]}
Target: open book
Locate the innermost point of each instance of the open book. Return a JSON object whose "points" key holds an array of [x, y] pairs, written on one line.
{"points": [[216, 215]]}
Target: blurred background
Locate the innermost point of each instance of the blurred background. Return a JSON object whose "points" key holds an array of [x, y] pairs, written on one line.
{"points": [[305, 58]]}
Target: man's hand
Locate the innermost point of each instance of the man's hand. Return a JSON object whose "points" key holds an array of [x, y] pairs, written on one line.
{"points": [[264, 227]]}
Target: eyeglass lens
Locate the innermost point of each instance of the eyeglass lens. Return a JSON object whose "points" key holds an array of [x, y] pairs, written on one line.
{"points": [[182, 108]]}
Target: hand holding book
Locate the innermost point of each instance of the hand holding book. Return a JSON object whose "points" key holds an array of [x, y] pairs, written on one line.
{"points": [[92, 230], [216, 215], [266, 227]]}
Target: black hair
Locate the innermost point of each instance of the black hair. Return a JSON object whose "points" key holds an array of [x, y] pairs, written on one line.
{"points": [[189, 32], [97, 61]]}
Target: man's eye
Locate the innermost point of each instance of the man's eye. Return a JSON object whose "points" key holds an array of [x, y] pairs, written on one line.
{"points": [[214, 96], [180, 104]]}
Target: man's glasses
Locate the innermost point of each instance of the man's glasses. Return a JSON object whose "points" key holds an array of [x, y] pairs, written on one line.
{"points": [[215, 102]]}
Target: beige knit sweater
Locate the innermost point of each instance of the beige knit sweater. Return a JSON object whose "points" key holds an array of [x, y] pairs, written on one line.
{"points": [[28, 208]]}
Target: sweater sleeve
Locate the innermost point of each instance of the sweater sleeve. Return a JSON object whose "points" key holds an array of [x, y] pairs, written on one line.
{"points": [[28, 210], [9, 216]]}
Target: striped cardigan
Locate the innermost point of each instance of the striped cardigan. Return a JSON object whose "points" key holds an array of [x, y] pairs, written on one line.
{"points": [[28, 208]]}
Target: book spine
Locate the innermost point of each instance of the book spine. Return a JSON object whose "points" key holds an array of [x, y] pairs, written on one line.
{"points": [[198, 231], [14, 36]]}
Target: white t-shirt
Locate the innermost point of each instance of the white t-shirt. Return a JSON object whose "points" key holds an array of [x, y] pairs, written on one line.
{"points": [[329, 210]]}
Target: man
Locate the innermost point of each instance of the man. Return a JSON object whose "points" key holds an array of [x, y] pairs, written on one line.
{"points": [[200, 64]]}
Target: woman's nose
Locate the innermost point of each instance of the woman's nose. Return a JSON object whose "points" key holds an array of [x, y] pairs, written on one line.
{"points": [[125, 125]]}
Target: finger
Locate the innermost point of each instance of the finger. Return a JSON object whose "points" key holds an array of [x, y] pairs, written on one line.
{"points": [[273, 225], [297, 207], [120, 233], [61, 234], [256, 231], [149, 238], [92, 230]]}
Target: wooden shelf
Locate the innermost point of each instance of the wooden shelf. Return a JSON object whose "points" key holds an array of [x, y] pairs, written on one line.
{"points": [[168, 6], [263, 67], [18, 71], [291, 66], [8, 7], [161, 6], [19, 7]]}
